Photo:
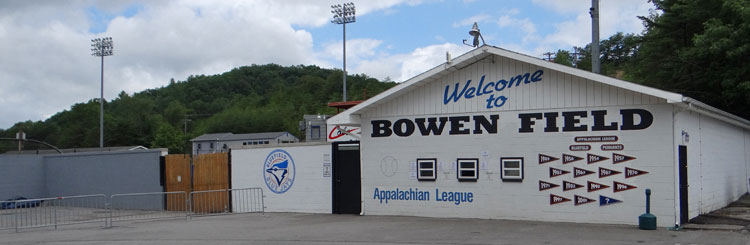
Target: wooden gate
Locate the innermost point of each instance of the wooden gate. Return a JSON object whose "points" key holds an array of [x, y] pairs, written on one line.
{"points": [[210, 172], [177, 178]]}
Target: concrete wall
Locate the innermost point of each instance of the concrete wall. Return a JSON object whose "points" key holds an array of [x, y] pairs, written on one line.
{"points": [[310, 190], [102, 173], [717, 161], [21, 175]]}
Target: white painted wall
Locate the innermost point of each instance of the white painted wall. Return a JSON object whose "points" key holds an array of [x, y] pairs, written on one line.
{"points": [[717, 161], [493, 198], [310, 191], [556, 90]]}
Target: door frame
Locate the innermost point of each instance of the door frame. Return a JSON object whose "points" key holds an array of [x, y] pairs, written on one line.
{"points": [[335, 206]]}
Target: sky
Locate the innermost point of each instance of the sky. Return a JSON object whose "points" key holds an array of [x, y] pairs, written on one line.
{"points": [[46, 64]]}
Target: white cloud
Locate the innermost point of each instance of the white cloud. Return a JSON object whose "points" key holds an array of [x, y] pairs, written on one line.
{"points": [[614, 16], [401, 67], [470, 21], [47, 66]]}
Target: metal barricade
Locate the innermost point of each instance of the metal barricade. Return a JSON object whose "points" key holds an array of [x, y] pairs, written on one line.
{"points": [[48, 212], [146, 206], [226, 201]]}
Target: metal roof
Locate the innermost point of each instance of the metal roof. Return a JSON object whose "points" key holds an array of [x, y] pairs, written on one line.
{"points": [[232, 137]]}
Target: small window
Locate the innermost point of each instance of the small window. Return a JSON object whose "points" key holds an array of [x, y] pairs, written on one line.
{"points": [[315, 132], [426, 169], [199, 146], [511, 169], [468, 169], [255, 142], [244, 143], [265, 142], [211, 145]]}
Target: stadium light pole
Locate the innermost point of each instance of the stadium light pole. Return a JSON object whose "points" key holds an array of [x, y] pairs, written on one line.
{"points": [[101, 47], [343, 14]]}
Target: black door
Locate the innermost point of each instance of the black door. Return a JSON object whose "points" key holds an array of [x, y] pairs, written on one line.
{"points": [[682, 151], [346, 178]]}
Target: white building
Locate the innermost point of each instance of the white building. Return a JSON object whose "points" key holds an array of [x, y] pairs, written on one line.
{"points": [[497, 134], [222, 142]]}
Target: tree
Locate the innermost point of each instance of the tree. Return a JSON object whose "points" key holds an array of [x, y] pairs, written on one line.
{"points": [[167, 136], [699, 48], [563, 57]]}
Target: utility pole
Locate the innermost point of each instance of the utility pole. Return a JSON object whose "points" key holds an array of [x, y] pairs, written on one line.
{"points": [[549, 56], [576, 53], [21, 136], [594, 11]]}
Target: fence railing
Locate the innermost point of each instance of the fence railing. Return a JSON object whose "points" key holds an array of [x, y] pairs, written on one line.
{"points": [[225, 201], [145, 206], [57, 211], [46, 212]]}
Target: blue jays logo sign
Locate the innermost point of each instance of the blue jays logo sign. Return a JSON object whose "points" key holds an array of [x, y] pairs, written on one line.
{"points": [[278, 171]]}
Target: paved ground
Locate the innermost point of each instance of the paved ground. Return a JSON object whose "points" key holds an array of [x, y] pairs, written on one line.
{"points": [[291, 228]]}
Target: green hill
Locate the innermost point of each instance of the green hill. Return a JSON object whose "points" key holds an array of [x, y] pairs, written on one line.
{"points": [[249, 99]]}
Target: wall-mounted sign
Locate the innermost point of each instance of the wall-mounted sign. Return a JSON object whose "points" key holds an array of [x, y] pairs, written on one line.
{"points": [[579, 147], [578, 172], [593, 186], [612, 147], [582, 200], [618, 187], [605, 172], [279, 171], [570, 158], [570, 186], [343, 133], [591, 158], [481, 89], [480, 124], [555, 199], [631, 172], [545, 159], [554, 172], [543, 185], [617, 158], [604, 201], [583, 139]]}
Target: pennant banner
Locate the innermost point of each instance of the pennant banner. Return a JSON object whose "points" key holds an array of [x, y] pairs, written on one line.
{"points": [[591, 158], [631, 172], [622, 187], [618, 158], [555, 199], [582, 200], [604, 201], [593, 186], [570, 186], [554, 172], [578, 172], [545, 159], [570, 158], [604, 172], [543, 185]]}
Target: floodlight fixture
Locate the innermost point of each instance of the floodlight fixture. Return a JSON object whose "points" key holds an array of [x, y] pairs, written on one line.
{"points": [[101, 47], [474, 32], [343, 14]]}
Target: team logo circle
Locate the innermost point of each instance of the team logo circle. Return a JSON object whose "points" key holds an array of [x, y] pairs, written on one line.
{"points": [[278, 171]]}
